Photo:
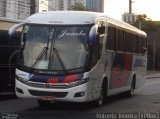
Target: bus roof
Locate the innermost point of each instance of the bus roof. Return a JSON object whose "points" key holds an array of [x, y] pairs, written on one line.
{"points": [[63, 17], [77, 17]]}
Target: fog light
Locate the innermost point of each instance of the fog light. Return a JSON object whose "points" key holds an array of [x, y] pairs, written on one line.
{"points": [[79, 94], [19, 90]]}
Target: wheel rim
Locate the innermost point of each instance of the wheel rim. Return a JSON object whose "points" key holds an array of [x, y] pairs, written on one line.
{"points": [[100, 99], [132, 89]]}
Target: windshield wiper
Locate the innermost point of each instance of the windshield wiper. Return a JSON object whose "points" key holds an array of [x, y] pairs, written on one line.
{"points": [[44, 51], [60, 60]]}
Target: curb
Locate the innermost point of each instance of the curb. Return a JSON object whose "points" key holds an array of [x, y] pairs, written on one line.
{"points": [[152, 77]]}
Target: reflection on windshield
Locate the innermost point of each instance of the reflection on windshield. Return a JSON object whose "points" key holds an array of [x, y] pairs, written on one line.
{"points": [[66, 47], [36, 39]]}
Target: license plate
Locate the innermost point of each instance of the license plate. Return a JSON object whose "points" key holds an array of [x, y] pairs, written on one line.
{"points": [[48, 98]]}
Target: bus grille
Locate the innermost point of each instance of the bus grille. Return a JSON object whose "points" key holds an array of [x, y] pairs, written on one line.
{"points": [[43, 93], [48, 85]]}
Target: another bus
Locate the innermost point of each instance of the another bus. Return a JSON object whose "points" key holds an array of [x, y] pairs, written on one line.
{"points": [[7, 57], [79, 57]]}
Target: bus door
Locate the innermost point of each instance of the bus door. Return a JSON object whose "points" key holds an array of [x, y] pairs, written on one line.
{"points": [[96, 60]]}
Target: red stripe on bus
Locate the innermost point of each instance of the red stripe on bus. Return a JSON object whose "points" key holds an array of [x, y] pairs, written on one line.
{"points": [[71, 78], [52, 80]]}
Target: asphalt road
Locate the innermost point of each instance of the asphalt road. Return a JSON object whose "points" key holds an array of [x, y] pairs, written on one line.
{"points": [[144, 104]]}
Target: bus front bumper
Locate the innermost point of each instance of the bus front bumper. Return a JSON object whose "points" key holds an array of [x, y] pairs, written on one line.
{"points": [[79, 93]]}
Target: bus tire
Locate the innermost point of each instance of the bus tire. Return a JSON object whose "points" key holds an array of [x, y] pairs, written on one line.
{"points": [[130, 93], [105, 89], [103, 94]]}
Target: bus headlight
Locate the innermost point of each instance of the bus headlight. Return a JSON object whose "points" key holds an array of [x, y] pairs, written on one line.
{"points": [[23, 80], [79, 82]]}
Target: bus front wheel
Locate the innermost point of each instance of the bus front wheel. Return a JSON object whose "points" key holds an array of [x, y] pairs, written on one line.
{"points": [[103, 95]]}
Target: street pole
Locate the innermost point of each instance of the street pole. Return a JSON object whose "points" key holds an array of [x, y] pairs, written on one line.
{"points": [[140, 25], [130, 6]]}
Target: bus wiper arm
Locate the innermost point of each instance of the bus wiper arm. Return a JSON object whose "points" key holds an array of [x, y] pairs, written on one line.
{"points": [[60, 60], [44, 51]]}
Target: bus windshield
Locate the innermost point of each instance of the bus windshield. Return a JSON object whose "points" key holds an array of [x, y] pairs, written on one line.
{"points": [[54, 47]]}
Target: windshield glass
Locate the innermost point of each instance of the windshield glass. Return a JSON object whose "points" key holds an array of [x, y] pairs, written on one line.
{"points": [[54, 47]]}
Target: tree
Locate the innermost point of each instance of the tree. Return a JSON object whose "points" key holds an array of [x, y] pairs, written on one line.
{"points": [[79, 7], [143, 17], [144, 23]]}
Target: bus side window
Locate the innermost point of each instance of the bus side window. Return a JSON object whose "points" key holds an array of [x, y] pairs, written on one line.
{"points": [[128, 42], [95, 55], [100, 38], [119, 40], [124, 40], [134, 43], [110, 39], [143, 45], [97, 47]]}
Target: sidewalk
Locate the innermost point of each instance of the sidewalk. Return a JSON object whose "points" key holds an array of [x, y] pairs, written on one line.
{"points": [[156, 75]]}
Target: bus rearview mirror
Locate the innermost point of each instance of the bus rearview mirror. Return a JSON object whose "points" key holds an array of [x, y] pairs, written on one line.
{"points": [[92, 35], [14, 28], [144, 50]]}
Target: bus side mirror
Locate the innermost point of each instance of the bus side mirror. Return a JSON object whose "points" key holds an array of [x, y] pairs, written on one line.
{"points": [[92, 35], [144, 50], [12, 31], [14, 28]]}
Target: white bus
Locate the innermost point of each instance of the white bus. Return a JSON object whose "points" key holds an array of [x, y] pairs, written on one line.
{"points": [[79, 57]]}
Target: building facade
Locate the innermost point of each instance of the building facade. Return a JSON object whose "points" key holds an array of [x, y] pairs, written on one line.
{"points": [[3, 8], [129, 18], [34, 6], [18, 9], [80, 1], [54, 5], [95, 5]]}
